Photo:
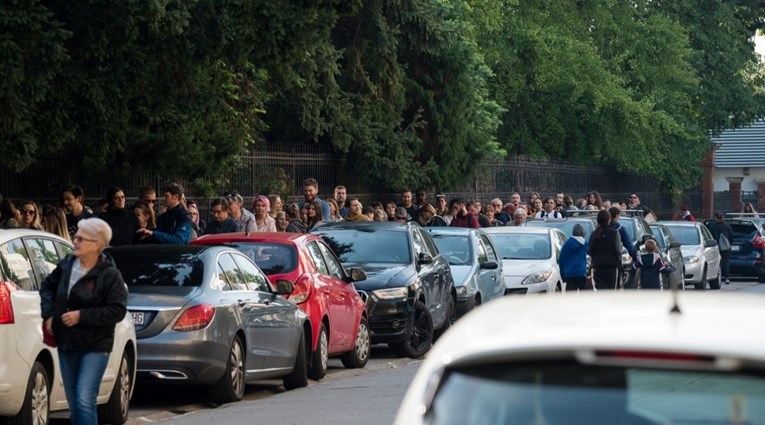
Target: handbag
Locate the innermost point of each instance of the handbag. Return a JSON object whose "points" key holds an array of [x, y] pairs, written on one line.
{"points": [[723, 243], [48, 338]]}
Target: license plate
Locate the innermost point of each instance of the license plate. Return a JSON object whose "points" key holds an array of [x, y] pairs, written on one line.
{"points": [[137, 318], [735, 247]]}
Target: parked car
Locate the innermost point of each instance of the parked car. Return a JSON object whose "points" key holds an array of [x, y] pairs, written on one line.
{"points": [[671, 253], [701, 255], [599, 358], [475, 265], [208, 316], [409, 284], [747, 249], [323, 289], [30, 377], [529, 258]]}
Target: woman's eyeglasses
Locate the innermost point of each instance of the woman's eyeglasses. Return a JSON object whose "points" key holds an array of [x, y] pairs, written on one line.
{"points": [[29, 212]]}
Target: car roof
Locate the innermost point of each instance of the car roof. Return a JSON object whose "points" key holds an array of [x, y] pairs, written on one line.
{"points": [[282, 237], [9, 234], [441, 230], [521, 229], [350, 225], [680, 223], [153, 249], [615, 320]]}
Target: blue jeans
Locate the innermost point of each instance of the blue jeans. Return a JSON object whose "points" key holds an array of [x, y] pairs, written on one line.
{"points": [[82, 372]]}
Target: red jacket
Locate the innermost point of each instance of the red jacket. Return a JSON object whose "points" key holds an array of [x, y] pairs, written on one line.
{"points": [[467, 220]]}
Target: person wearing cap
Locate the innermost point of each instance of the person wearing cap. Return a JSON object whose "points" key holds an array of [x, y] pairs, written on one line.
{"points": [[261, 206], [684, 214], [719, 229]]}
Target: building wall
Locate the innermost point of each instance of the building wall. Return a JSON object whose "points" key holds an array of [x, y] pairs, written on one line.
{"points": [[747, 185]]}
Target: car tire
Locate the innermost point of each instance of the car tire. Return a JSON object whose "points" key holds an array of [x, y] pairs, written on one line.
{"points": [[702, 285], [299, 376], [36, 406], [359, 356], [115, 411], [230, 387], [418, 342], [715, 283], [320, 357], [761, 278]]}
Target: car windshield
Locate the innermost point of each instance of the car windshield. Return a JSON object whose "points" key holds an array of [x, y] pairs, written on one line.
{"points": [[456, 248], [565, 226], [272, 258], [358, 246], [686, 235], [159, 268], [522, 246], [659, 237], [569, 393]]}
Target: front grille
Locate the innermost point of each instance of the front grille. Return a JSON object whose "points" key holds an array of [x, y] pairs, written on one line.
{"points": [[513, 291]]}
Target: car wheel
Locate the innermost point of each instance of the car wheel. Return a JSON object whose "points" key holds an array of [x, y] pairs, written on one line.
{"points": [[358, 357], [715, 283], [761, 278], [299, 376], [320, 357], [230, 387], [702, 285], [421, 337], [115, 411], [36, 407], [451, 317]]}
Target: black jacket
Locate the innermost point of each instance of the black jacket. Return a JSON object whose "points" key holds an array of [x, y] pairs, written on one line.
{"points": [[124, 224], [226, 226], [718, 228], [101, 297], [605, 247]]}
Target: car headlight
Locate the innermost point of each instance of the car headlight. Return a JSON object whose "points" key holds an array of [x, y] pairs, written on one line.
{"points": [[536, 278], [390, 294], [691, 259], [461, 290]]}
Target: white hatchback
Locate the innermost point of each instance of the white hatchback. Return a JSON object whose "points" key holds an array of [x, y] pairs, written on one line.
{"points": [[529, 258], [30, 379], [597, 358]]}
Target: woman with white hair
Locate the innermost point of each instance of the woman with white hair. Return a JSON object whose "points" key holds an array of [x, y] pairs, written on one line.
{"points": [[81, 302]]}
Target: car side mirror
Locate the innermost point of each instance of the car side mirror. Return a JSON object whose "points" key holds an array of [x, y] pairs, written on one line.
{"points": [[709, 243], [424, 258], [358, 274], [284, 287], [674, 244], [489, 265]]}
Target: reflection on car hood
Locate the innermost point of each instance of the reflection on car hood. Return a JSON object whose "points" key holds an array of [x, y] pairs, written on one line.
{"points": [[688, 250], [382, 275], [461, 274], [524, 267]]}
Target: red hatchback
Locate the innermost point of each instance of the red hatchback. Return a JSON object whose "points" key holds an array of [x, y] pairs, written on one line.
{"points": [[323, 290]]}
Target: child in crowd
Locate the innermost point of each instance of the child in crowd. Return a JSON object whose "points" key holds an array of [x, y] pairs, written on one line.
{"points": [[651, 267]]}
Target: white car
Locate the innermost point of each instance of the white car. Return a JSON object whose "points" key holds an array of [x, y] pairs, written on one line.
{"points": [[30, 378], [701, 255], [529, 258], [597, 358]]}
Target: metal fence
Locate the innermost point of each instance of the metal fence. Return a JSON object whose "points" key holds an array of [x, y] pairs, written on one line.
{"points": [[282, 171]]}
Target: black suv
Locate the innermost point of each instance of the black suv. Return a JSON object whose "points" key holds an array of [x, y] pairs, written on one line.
{"points": [[747, 247], [409, 286]]}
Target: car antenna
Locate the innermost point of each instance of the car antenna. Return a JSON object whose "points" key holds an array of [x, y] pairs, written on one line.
{"points": [[675, 295]]}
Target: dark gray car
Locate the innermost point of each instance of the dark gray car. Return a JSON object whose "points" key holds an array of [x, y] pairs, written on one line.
{"points": [[671, 253], [209, 316]]}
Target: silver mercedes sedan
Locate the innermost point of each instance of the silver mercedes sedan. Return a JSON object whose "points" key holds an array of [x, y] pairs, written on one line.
{"points": [[209, 316]]}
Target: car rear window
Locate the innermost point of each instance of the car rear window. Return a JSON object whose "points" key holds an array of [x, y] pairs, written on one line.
{"points": [[743, 230], [522, 246], [566, 227], [570, 393], [272, 258], [159, 269]]}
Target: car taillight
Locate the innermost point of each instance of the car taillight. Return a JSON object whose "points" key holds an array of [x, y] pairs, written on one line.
{"points": [[758, 242], [6, 308], [303, 287], [195, 318]]}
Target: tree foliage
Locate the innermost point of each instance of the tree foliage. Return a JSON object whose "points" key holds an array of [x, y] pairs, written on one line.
{"points": [[415, 92]]}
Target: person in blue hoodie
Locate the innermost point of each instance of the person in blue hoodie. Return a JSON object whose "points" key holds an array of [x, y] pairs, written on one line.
{"points": [[573, 260]]}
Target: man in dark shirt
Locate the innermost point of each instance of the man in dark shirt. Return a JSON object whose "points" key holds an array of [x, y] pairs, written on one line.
{"points": [[71, 199], [718, 229], [221, 222], [605, 252], [174, 225]]}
